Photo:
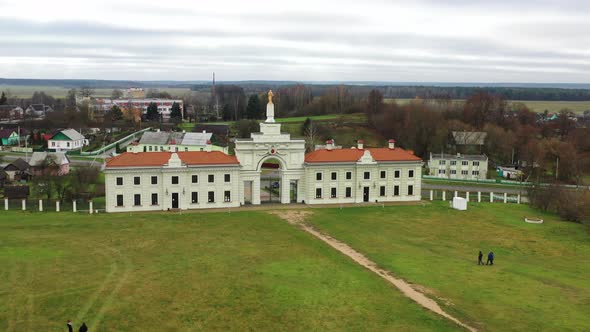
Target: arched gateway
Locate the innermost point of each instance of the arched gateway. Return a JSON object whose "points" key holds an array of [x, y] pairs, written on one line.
{"points": [[270, 145]]}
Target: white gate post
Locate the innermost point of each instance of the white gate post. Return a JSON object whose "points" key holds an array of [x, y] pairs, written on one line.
{"points": [[56, 206], [74, 206], [505, 197], [24, 204], [444, 195], [492, 197], [40, 205], [467, 196], [479, 196], [456, 194], [90, 209], [518, 199], [431, 194], [6, 204]]}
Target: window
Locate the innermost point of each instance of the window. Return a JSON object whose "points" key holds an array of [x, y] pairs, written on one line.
{"points": [[333, 192], [382, 191], [464, 163], [348, 192], [52, 143], [194, 197], [185, 149], [367, 175], [442, 162], [150, 148], [410, 190], [175, 180], [227, 178], [476, 163], [334, 176], [318, 176], [195, 179], [227, 196], [211, 197], [395, 190], [119, 200], [441, 171], [383, 174], [154, 199], [136, 180], [411, 173], [348, 175], [161, 148], [475, 173], [154, 180], [68, 144], [453, 171], [453, 162], [464, 172], [119, 181], [137, 199], [318, 192], [211, 178]]}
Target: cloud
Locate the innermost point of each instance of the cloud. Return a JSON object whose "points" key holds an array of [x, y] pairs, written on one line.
{"points": [[307, 40]]}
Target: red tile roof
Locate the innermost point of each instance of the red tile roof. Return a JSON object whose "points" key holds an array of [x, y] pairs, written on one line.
{"points": [[157, 159], [353, 155]]}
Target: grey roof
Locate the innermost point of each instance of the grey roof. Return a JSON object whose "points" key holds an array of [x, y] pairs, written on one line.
{"points": [[154, 137], [469, 137], [38, 157], [19, 164], [196, 138], [72, 134], [458, 156]]}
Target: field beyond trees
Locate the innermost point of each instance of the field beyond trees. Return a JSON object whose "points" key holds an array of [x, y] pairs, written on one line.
{"points": [[249, 270]]}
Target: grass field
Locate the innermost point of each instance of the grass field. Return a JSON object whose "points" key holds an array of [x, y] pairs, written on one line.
{"points": [[203, 271], [539, 282]]}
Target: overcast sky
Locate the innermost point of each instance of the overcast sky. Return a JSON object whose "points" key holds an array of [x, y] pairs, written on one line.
{"points": [[319, 40]]}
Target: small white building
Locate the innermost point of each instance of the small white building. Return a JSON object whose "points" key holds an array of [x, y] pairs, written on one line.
{"points": [[459, 166], [67, 140], [162, 141]]}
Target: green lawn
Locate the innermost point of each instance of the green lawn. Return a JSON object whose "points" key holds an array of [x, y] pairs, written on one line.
{"points": [[200, 271], [540, 281]]}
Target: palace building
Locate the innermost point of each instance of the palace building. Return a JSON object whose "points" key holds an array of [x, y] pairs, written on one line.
{"points": [[270, 166]]}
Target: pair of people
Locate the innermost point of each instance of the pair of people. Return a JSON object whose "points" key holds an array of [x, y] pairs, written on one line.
{"points": [[82, 328], [490, 258]]}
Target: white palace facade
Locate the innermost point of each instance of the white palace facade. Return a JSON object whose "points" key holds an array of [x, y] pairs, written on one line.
{"points": [[152, 181]]}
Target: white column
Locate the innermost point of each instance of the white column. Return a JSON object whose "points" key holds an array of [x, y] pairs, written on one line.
{"points": [[90, 207], [431, 194], [74, 206], [492, 197], [479, 196], [456, 194], [24, 204], [256, 191], [467, 196], [6, 204], [505, 197], [444, 195], [285, 190], [518, 199], [56, 206], [40, 205]]}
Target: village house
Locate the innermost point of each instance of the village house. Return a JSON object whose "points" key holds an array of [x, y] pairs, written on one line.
{"points": [[9, 137], [458, 166], [49, 163], [159, 141], [38, 110], [144, 181], [66, 140], [17, 170]]}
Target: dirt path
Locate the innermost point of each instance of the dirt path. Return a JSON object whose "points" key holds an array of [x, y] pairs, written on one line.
{"points": [[298, 218]]}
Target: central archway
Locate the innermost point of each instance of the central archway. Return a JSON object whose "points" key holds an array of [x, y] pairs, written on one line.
{"points": [[270, 180]]}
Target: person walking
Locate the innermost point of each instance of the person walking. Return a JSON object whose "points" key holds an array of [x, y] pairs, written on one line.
{"points": [[83, 328], [480, 258], [490, 258], [70, 327]]}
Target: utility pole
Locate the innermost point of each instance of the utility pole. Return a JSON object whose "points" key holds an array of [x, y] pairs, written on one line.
{"points": [[557, 167]]}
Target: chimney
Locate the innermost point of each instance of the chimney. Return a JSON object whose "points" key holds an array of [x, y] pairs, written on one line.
{"points": [[329, 145], [208, 148], [391, 144], [360, 144]]}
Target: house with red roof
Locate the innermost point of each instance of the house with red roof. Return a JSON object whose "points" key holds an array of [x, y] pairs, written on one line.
{"points": [[270, 166]]}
